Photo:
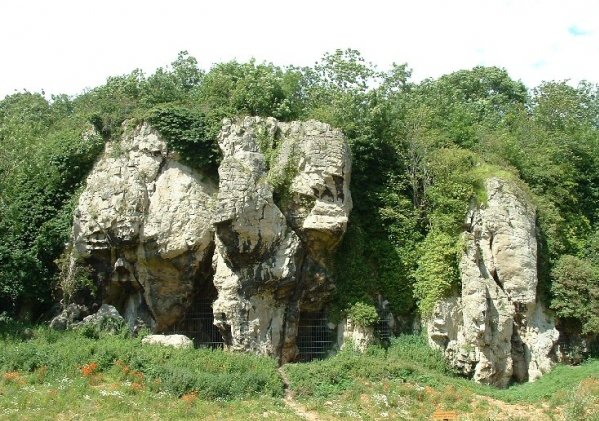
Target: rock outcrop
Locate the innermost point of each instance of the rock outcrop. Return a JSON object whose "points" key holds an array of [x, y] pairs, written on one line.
{"points": [[143, 224], [158, 234], [283, 206], [496, 329]]}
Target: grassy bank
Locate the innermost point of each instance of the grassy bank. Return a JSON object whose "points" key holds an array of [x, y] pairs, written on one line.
{"points": [[410, 381], [88, 375]]}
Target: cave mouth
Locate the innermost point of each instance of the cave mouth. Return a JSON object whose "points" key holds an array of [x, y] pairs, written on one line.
{"points": [[315, 340], [198, 321]]}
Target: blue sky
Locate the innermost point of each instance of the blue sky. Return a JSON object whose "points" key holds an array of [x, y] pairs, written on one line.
{"points": [[65, 46]]}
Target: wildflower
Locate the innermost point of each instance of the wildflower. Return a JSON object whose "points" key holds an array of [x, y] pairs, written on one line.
{"points": [[14, 377], [137, 386], [89, 369], [190, 397], [381, 399]]}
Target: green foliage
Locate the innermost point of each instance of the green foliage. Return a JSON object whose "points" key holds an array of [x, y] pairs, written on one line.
{"points": [[212, 374], [408, 358], [575, 291], [75, 281], [230, 89], [36, 210], [363, 314], [437, 274], [421, 153], [453, 185], [185, 134]]}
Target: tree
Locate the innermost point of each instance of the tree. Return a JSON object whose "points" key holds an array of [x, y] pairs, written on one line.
{"points": [[576, 291]]}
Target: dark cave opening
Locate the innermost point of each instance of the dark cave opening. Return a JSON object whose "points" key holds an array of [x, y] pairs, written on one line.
{"points": [[198, 322]]}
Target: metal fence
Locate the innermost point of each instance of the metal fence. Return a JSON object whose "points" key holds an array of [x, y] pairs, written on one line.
{"points": [[577, 350], [314, 338], [382, 332], [198, 324]]}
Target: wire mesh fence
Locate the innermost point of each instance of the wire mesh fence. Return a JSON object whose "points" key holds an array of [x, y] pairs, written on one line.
{"points": [[582, 350], [198, 325], [382, 331], [314, 338]]}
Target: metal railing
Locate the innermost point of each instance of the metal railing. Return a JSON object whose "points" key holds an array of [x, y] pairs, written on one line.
{"points": [[198, 325], [382, 332], [314, 338]]}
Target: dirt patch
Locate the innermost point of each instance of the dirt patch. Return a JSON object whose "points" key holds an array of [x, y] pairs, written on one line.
{"points": [[508, 411]]}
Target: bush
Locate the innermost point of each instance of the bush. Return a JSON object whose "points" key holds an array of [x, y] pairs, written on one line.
{"points": [[185, 133], [437, 274], [363, 314], [575, 290], [409, 358]]}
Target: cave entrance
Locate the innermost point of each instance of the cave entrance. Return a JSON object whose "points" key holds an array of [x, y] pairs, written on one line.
{"points": [[198, 322], [314, 338], [382, 329]]}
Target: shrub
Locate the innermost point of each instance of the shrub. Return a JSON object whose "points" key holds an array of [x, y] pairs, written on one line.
{"points": [[409, 358], [185, 133], [212, 374], [363, 314], [575, 290]]}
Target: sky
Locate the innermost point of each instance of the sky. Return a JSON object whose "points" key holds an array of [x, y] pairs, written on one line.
{"points": [[63, 46]]}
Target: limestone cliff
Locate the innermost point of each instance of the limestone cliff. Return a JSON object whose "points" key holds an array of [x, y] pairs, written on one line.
{"points": [[143, 224], [496, 329], [157, 233], [271, 258]]}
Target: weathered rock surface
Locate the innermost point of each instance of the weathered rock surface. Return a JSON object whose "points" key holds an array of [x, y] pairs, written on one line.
{"points": [[270, 254], [352, 334], [144, 225], [70, 315], [176, 341], [496, 329], [106, 318], [158, 234]]}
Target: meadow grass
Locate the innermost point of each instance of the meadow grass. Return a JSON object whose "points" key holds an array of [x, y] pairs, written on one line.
{"points": [[409, 380], [46, 374]]}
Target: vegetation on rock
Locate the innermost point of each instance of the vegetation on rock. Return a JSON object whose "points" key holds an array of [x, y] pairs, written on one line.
{"points": [[421, 152]]}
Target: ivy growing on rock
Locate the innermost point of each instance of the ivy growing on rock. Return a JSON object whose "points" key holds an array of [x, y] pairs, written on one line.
{"points": [[185, 133]]}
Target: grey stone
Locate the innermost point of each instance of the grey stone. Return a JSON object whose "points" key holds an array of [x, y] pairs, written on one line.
{"points": [[496, 329], [157, 232], [176, 341]]}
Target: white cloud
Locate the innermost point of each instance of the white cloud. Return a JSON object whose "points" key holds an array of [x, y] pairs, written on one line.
{"points": [[65, 46]]}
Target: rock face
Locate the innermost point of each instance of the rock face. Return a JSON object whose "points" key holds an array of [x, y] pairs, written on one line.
{"points": [[158, 234], [496, 329], [144, 225], [283, 205]]}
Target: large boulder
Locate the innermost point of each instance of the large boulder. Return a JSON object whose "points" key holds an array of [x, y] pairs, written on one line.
{"points": [[70, 315], [496, 329], [175, 341], [107, 318]]}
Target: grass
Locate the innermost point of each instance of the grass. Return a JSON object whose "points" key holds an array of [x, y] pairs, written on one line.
{"points": [[110, 399], [77, 375], [409, 380], [210, 374]]}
